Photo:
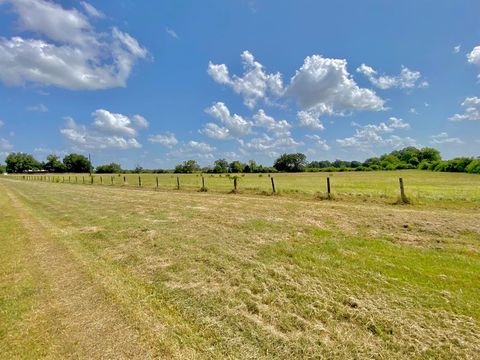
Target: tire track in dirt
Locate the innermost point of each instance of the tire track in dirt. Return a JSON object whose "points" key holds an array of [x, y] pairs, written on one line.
{"points": [[86, 324]]}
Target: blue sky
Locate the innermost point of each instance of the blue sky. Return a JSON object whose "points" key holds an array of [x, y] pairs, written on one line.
{"points": [[153, 83]]}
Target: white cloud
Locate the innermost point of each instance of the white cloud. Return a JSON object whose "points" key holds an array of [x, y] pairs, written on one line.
{"points": [[193, 150], [108, 130], [397, 123], [117, 124], [234, 125], [37, 108], [443, 138], [310, 120], [407, 79], [168, 139], [456, 49], [324, 86], [321, 143], [253, 85], [270, 145], [413, 111], [46, 151], [214, 131], [279, 128], [140, 122], [200, 146], [5, 144], [171, 32], [369, 135], [471, 107], [473, 57], [90, 10], [67, 51]]}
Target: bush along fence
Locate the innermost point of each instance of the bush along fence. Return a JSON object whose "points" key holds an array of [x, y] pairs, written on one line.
{"points": [[121, 180]]}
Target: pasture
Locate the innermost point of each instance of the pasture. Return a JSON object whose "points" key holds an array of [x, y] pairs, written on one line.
{"points": [[109, 272], [421, 186]]}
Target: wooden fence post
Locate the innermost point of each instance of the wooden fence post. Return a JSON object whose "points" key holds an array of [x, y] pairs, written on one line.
{"points": [[139, 181], [203, 183], [273, 185], [178, 183], [101, 180], [111, 180], [156, 179], [124, 179], [328, 188], [91, 179], [235, 184], [403, 197]]}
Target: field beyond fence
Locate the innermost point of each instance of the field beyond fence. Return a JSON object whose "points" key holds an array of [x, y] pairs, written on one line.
{"points": [[419, 185]]}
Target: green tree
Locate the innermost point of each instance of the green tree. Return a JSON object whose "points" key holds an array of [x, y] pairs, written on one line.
{"points": [[429, 154], [188, 167], [236, 167], [220, 166], [53, 164], [77, 163], [112, 168], [291, 162], [251, 167], [20, 162]]}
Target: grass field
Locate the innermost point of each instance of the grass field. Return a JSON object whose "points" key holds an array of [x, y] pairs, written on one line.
{"points": [[421, 186], [108, 272]]}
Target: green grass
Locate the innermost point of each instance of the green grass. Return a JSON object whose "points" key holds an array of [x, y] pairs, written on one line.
{"points": [[421, 186], [211, 275]]}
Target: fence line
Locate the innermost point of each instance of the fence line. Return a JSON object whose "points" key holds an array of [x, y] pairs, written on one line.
{"points": [[56, 179]]}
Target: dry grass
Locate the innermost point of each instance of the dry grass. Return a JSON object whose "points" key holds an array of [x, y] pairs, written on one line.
{"points": [[422, 187], [202, 275]]}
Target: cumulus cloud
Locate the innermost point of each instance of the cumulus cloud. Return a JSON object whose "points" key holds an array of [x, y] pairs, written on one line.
{"points": [[367, 136], [471, 110], [167, 139], [319, 142], [309, 120], [473, 57], [108, 130], [324, 86], [37, 108], [253, 85], [140, 122], [279, 128], [214, 131], [407, 79], [269, 145], [233, 125], [456, 49], [193, 150], [443, 138], [67, 52], [117, 124]]}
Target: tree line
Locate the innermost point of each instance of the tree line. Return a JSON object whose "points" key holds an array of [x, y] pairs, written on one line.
{"points": [[407, 158]]}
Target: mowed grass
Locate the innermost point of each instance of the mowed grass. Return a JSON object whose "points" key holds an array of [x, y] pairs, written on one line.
{"points": [[420, 186], [202, 275]]}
